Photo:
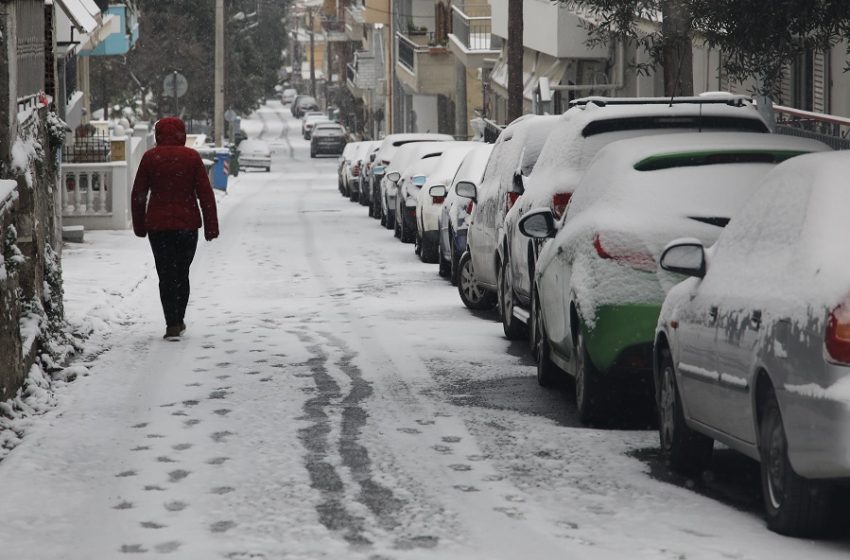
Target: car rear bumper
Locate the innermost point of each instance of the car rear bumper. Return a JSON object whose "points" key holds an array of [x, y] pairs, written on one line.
{"points": [[621, 337], [255, 162], [335, 149], [818, 432]]}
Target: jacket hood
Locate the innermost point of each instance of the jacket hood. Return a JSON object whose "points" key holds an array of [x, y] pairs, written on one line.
{"points": [[170, 131]]}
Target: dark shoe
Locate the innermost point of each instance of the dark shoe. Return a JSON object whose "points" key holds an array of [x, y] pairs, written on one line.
{"points": [[173, 331], [182, 327]]}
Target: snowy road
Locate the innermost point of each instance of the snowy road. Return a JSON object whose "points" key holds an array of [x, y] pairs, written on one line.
{"points": [[333, 399]]}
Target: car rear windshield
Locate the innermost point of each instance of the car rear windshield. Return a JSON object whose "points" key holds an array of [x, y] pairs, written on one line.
{"points": [[693, 159], [691, 122]]}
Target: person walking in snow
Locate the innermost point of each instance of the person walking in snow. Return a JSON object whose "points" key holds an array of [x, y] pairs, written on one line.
{"points": [[169, 184]]}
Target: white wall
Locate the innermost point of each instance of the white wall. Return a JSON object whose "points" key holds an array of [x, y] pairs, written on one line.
{"points": [[426, 113]]}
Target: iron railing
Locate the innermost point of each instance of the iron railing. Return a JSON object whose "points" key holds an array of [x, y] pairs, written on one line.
{"points": [[88, 149], [407, 52], [29, 51], [831, 130], [474, 32]]}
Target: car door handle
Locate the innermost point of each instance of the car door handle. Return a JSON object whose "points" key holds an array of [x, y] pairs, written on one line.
{"points": [[712, 313], [755, 320]]}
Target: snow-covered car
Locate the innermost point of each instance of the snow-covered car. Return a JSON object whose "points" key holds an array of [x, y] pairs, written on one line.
{"points": [[343, 165], [753, 350], [288, 96], [366, 182], [310, 121], [254, 153], [429, 204], [403, 156], [302, 104], [382, 164], [598, 289], [514, 155], [587, 126], [411, 181], [327, 138], [451, 222], [359, 159]]}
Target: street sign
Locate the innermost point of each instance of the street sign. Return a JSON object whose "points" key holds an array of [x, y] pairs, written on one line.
{"points": [[230, 115], [175, 84]]}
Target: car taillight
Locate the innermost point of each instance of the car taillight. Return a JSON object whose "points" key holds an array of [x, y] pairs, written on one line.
{"points": [[510, 200], [437, 199], [469, 206], [559, 204], [837, 337], [620, 251], [355, 171]]}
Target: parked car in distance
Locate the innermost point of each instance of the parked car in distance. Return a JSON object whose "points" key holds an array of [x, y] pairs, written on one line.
{"points": [[580, 133], [356, 170], [429, 204], [514, 155], [453, 215], [395, 171], [311, 121], [327, 139], [598, 289], [302, 104], [343, 164], [753, 350], [255, 153], [382, 161], [412, 179], [366, 179], [288, 96]]}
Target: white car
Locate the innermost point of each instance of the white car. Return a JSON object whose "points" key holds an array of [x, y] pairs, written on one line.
{"points": [[356, 168], [403, 156], [288, 96], [753, 350], [455, 209], [580, 133], [597, 286], [383, 164], [254, 153], [432, 194], [412, 179], [310, 121]]}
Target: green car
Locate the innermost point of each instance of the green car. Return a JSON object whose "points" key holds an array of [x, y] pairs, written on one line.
{"points": [[598, 289]]}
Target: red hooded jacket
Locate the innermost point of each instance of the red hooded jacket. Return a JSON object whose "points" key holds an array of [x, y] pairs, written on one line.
{"points": [[169, 183]]}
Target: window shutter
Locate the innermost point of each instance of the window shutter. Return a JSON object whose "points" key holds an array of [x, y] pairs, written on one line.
{"points": [[819, 82]]}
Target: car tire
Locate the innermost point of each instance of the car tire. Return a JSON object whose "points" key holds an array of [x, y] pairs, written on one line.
{"points": [[512, 327], [591, 400], [471, 293], [547, 371], [390, 220], [353, 195], [430, 251], [268, 169], [313, 155], [794, 506], [454, 260], [684, 449], [445, 268], [405, 235]]}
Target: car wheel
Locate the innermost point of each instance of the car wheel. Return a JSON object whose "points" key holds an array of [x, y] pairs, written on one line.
{"points": [[471, 293], [405, 234], [268, 169], [381, 215], [684, 449], [794, 506], [510, 324], [454, 259], [353, 195], [312, 154], [590, 397], [417, 246], [390, 220], [547, 372], [397, 228], [430, 252]]}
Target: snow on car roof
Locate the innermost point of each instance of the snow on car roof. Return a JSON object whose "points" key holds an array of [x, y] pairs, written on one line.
{"points": [[448, 163], [254, 144], [394, 141], [612, 175], [410, 152], [473, 165]]}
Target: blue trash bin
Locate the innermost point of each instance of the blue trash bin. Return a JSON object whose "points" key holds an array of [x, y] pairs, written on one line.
{"points": [[221, 168]]}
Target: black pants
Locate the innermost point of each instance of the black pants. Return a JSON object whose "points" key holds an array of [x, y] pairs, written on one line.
{"points": [[173, 252]]}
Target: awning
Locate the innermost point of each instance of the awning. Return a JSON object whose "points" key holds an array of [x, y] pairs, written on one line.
{"points": [[547, 67], [79, 14], [111, 24]]}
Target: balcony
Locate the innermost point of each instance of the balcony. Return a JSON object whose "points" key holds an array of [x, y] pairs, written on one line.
{"points": [[354, 23], [363, 74], [423, 67], [471, 40], [334, 29]]}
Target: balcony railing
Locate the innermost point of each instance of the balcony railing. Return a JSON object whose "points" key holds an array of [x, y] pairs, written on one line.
{"points": [[829, 129], [407, 52], [87, 189], [473, 31]]}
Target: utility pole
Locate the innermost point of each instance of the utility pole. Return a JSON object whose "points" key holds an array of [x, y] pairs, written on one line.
{"points": [[218, 121], [515, 48], [390, 113], [312, 55]]}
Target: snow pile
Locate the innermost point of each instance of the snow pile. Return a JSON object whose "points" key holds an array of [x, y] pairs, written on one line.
{"points": [[34, 398], [838, 391]]}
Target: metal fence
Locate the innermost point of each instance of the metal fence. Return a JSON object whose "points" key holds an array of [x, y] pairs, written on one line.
{"points": [[88, 149], [474, 32], [29, 50], [831, 130]]}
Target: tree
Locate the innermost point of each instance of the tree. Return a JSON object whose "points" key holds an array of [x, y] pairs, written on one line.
{"points": [[757, 38], [515, 50]]}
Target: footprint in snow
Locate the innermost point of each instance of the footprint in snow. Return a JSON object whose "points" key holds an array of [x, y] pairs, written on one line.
{"points": [[460, 467], [154, 436], [180, 413], [222, 490], [125, 474], [195, 384], [192, 422], [218, 394], [465, 488], [132, 549], [151, 525], [444, 449], [164, 459], [514, 498], [200, 369], [140, 448], [166, 547], [219, 437], [123, 505], [477, 457], [452, 439], [222, 526], [511, 512], [409, 431], [266, 379], [222, 377], [222, 411], [425, 422], [223, 364], [138, 426], [191, 403], [252, 372], [181, 446], [153, 488], [493, 478], [217, 460], [175, 506]]}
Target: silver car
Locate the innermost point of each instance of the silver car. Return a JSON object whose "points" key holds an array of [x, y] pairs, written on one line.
{"points": [[753, 350]]}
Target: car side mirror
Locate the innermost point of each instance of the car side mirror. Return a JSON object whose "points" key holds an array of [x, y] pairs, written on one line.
{"points": [[419, 180], [467, 190], [438, 191], [538, 224], [394, 176], [518, 183], [684, 257]]}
